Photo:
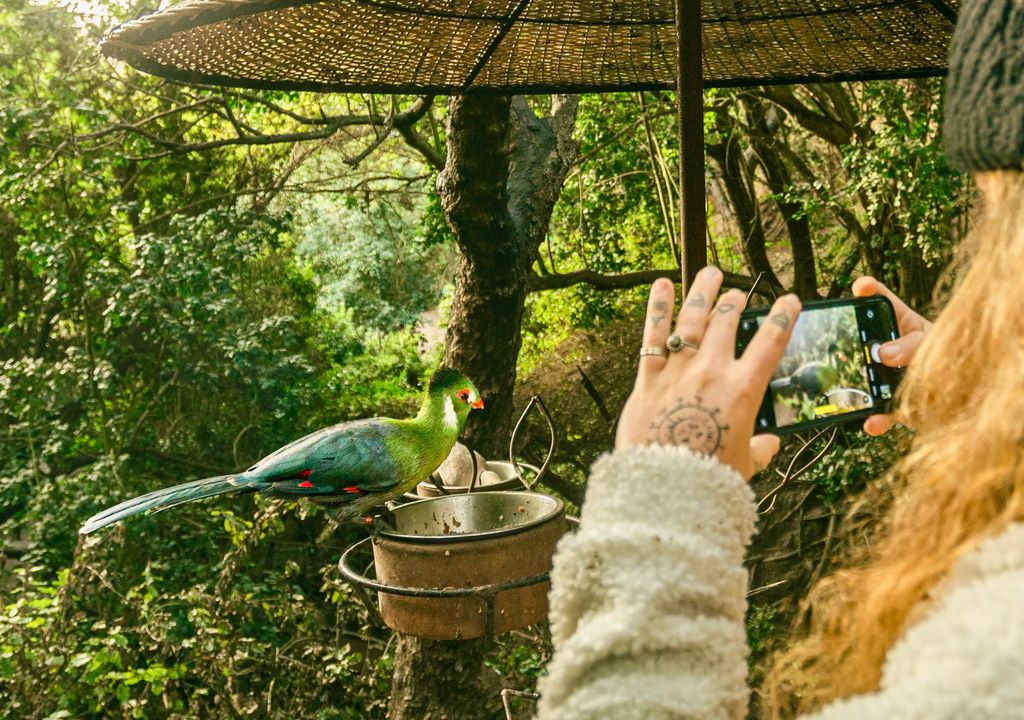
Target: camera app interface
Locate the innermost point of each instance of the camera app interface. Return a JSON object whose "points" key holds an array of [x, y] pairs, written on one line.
{"points": [[822, 371]]}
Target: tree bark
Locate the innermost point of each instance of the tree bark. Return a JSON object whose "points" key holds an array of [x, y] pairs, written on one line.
{"points": [[763, 137], [483, 332], [729, 156], [504, 171], [441, 680]]}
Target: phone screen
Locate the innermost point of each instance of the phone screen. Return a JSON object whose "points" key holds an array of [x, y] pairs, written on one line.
{"points": [[830, 367]]}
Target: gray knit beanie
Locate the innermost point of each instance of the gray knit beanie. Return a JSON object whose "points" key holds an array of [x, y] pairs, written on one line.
{"points": [[984, 126]]}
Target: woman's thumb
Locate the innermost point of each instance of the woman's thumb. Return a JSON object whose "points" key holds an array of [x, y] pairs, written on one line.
{"points": [[762, 450]]}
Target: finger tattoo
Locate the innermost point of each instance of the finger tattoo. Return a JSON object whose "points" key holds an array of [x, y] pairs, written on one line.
{"points": [[725, 307], [781, 319], [690, 424], [697, 301], [660, 312]]}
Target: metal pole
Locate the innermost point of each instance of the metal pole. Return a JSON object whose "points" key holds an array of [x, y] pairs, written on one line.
{"points": [[690, 110]]}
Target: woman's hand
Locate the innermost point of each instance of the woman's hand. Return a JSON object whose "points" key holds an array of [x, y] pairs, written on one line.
{"points": [[895, 353], [706, 399]]}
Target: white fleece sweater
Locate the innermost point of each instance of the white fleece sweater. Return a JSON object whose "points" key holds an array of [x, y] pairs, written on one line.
{"points": [[647, 605]]}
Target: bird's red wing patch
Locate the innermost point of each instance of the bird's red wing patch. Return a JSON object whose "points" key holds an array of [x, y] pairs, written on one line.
{"points": [[305, 484], [304, 473], [353, 490]]}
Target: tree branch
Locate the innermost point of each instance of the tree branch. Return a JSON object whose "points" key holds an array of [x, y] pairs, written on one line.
{"points": [[622, 281], [824, 127], [404, 123]]}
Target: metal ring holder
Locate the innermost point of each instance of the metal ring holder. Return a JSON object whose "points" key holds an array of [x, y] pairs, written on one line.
{"points": [[487, 593], [538, 402], [535, 402]]}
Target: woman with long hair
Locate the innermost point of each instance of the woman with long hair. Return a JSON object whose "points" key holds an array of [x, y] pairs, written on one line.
{"points": [[648, 598]]}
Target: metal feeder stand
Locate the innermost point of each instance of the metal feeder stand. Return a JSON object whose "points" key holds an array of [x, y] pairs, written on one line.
{"points": [[462, 566]]}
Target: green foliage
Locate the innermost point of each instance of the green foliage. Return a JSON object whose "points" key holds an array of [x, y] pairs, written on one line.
{"points": [[158, 323], [899, 171], [761, 632], [520, 659], [373, 373], [856, 460], [261, 642], [371, 257], [608, 218]]}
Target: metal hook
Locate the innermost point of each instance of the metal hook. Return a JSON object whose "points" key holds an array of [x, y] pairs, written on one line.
{"points": [[534, 401], [753, 287], [506, 693]]}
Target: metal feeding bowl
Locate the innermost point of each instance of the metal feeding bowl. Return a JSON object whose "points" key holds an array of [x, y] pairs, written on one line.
{"points": [[464, 566], [471, 518]]}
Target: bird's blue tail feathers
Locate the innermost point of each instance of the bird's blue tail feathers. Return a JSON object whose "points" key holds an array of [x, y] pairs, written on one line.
{"points": [[171, 497]]}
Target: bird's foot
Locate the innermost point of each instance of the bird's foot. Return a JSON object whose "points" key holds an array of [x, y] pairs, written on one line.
{"points": [[381, 522]]}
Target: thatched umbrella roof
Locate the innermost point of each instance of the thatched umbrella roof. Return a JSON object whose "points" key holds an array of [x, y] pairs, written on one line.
{"points": [[517, 46]]}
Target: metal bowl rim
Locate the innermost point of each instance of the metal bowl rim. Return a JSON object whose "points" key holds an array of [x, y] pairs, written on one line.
{"points": [[555, 513], [511, 483]]}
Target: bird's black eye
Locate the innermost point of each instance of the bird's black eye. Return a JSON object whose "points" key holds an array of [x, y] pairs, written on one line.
{"points": [[464, 396]]}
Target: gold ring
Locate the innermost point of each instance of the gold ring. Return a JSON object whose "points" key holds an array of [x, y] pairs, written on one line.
{"points": [[676, 343], [652, 350]]}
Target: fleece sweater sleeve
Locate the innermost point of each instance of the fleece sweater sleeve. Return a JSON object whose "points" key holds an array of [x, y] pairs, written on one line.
{"points": [[965, 659], [647, 598]]}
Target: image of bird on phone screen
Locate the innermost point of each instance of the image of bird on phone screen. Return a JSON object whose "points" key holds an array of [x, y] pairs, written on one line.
{"points": [[821, 373]]}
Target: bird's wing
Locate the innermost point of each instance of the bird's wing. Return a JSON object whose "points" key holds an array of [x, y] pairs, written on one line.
{"points": [[351, 458], [291, 458]]}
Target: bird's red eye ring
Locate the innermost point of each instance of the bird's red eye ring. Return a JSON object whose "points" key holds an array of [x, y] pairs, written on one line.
{"points": [[464, 395]]}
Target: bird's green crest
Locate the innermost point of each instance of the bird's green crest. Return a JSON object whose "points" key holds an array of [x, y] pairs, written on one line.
{"points": [[445, 379]]}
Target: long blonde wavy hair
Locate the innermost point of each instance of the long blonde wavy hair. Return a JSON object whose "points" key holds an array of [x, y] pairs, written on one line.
{"points": [[961, 482]]}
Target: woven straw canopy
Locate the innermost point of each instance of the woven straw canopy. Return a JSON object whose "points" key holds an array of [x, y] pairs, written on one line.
{"points": [[523, 46]]}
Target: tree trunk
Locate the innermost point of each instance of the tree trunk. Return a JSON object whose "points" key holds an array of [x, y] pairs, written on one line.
{"points": [[764, 140], [729, 156], [504, 172], [442, 680], [483, 332]]}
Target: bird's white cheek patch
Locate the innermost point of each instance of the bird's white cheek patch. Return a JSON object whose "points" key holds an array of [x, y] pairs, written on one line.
{"points": [[451, 420]]}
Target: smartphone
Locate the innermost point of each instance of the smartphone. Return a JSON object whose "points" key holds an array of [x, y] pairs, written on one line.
{"points": [[830, 371]]}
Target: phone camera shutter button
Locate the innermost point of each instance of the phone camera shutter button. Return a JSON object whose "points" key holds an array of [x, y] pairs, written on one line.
{"points": [[874, 352]]}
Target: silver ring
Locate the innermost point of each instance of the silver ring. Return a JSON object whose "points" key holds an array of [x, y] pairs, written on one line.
{"points": [[676, 343], [652, 350]]}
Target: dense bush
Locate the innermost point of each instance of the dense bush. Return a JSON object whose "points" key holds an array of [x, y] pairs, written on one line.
{"points": [[157, 326]]}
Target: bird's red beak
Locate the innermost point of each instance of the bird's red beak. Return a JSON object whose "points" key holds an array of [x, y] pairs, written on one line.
{"points": [[479, 404]]}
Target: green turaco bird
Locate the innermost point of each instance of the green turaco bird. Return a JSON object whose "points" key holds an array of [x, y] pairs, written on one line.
{"points": [[353, 466], [814, 378]]}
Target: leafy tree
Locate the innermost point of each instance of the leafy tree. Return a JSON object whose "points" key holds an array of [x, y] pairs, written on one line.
{"points": [[157, 324], [370, 256]]}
